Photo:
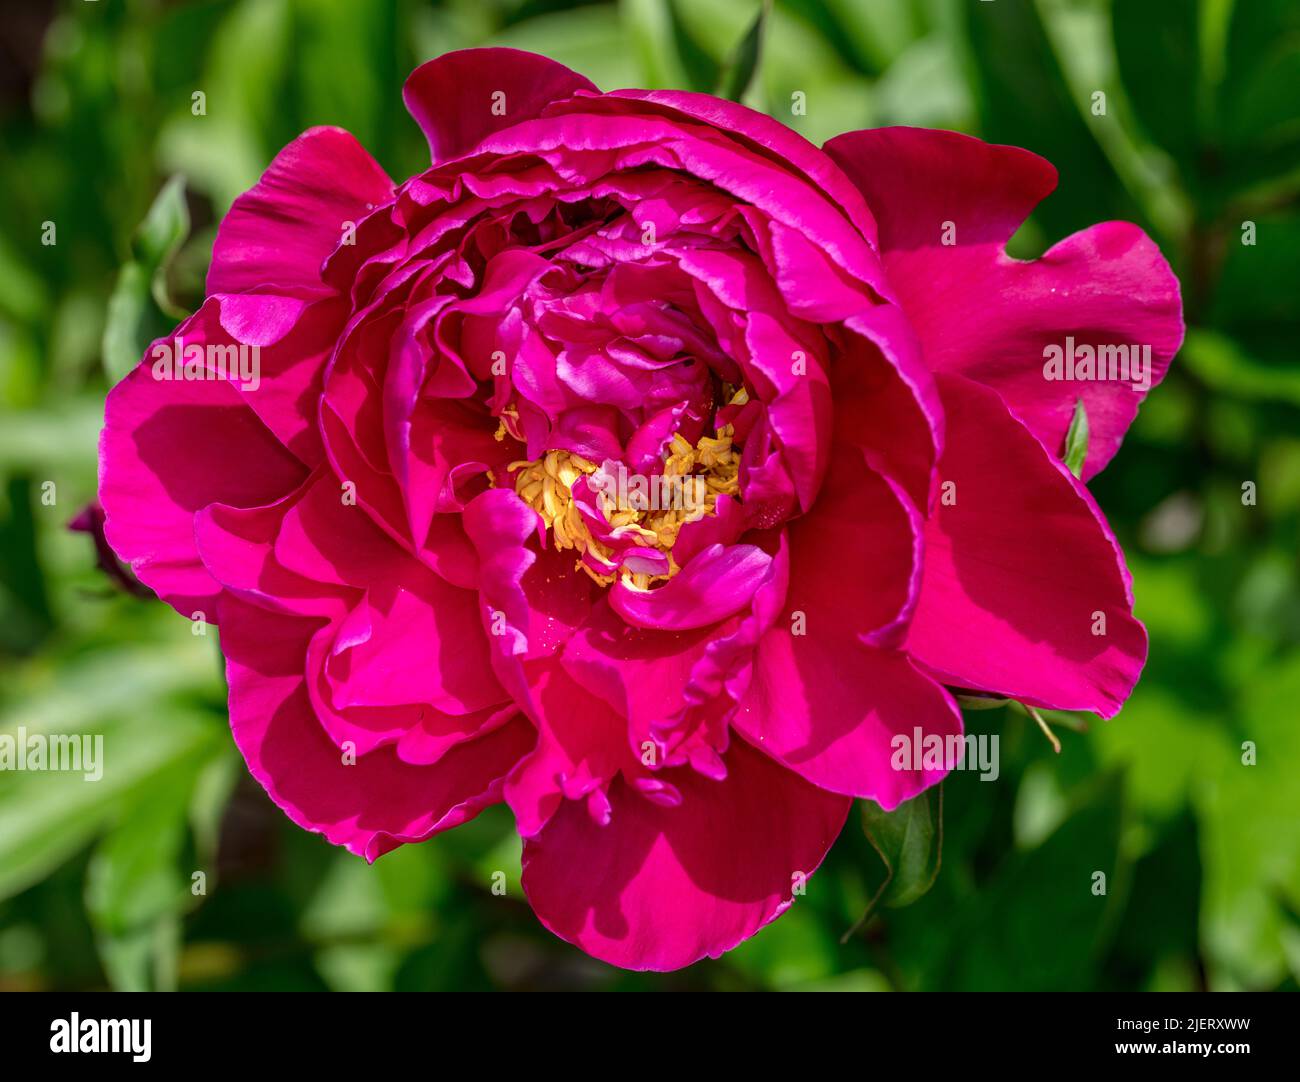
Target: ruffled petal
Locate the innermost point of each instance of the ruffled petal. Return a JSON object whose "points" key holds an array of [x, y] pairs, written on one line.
{"points": [[578, 141], [373, 804], [885, 399], [766, 136], [581, 745], [419, 642], [642, 674], [279, 233], [237, 547]]}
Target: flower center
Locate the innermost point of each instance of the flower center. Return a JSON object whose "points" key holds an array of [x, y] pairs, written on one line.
{"points": [[625, 525]]}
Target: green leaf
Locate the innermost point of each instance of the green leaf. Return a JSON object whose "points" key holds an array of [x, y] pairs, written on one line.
{"points": [[791, 952], [591, 40], [251, 103], [136, 890], [1156, 46], [349, 919], [143, 959], [132, 878], [126, 695], [740, 72], [973, 701], [1249, 814], [648, 24], [1254, 300], [140, 308], [45, 818], [873, 36], [1229, 370], [1161, 920], [1076, 439], [211, 793], [330, 36], [1038, 925], [165, 226], [130, 315], [909, 840], [701, 69], [1023, 99], [61, 437], [1258, 110], [924, 88]]}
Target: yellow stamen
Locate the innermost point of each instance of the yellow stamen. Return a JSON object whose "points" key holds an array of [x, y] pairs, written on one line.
{"points": [[546, 485]]}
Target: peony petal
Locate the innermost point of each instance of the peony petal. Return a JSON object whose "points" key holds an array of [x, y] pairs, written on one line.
{"points": [[437, 733], [717, 583], [987, 316], [372, 805], [766, 136], [423, 642], [452, 97], [581, 745], [799, 409], [828, 708], [660, 887], [293, 341], [167, 450], [499, 525], [280, 232], [856, 558], [1025, 592], [886, 401], [324, 539], [643, 674], [237, 547], [622, 143]]}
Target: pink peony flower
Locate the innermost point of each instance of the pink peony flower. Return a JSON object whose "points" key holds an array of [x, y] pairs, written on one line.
{"points": [[639, 465]]}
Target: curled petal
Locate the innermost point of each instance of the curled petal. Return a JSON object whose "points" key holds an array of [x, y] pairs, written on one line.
{"points": [[717, 583]]}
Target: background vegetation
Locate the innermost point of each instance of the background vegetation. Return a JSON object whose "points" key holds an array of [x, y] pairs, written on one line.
{"points": [[1201, 133]]}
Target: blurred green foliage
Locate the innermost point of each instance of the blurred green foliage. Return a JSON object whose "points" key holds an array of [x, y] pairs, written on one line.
{"points": [[1199, 139]]}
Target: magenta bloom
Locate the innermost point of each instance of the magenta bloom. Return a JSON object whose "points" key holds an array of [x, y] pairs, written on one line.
{"points": [[640, 465]]}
